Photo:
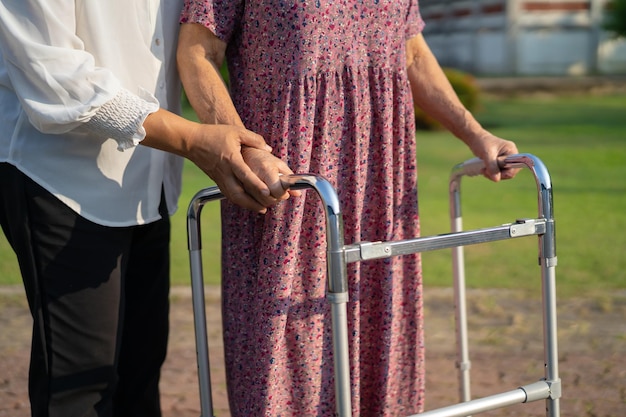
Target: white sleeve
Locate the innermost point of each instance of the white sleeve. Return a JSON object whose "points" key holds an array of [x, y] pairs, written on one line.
{"points": [[122, 119], [57, 82]]}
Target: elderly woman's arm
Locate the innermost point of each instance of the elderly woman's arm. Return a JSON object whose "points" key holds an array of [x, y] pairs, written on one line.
{"points": [[433, 93], [200, 55]]}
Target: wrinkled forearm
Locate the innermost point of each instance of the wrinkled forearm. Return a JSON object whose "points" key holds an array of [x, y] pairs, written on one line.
{"points": [[199, 56], [433, 93]]}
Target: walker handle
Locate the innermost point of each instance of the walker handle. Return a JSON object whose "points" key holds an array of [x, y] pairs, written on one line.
{"points": [[475, 166]]}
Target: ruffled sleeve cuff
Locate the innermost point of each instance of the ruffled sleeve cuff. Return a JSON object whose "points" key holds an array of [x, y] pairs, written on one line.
{"points": [[122, 118]]}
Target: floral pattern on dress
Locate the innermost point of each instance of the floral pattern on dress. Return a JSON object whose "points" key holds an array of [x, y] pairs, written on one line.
{"points": [[325, 83]]}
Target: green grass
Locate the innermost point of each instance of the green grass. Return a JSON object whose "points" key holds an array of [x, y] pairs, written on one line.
{"points": [[582, 141], [195, 180], [9, 271]]}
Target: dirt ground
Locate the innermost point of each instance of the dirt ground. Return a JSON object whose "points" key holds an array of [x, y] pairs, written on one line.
{"points": [[505, 349]]}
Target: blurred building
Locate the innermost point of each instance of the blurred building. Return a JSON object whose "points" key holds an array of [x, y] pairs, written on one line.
{"points": [[523, 37]]}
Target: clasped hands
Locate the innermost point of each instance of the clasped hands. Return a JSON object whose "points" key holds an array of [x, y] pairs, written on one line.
{"points": [[243, 167]]}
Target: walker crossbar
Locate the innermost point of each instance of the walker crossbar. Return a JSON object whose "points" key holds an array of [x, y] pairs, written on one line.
{"points": [[339, 255], [532, 392], [364, 251]]}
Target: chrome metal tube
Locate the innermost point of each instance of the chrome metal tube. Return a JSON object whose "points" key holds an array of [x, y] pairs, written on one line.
{"points": [[337, 291], [547, 260], [528, 393], [194, 243], [463, 362], [471, 167]]}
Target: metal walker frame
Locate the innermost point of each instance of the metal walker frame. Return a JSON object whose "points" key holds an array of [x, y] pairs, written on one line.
{"points": [[339, 255]]}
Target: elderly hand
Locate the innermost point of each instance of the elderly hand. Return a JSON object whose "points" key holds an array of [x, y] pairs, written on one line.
{"points": [[269, 169], [492, 150], [218, 152]]}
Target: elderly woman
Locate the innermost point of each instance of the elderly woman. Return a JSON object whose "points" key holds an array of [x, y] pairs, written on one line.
{"points": [[331, 86]]}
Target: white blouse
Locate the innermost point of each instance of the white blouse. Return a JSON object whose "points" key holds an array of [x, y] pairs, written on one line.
{"points": [[77, 80]]}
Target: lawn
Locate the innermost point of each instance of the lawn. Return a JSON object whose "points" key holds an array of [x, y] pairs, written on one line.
{"points": [[582, 141]]}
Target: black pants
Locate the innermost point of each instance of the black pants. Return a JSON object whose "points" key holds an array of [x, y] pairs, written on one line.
{"points": [[99, 300]]}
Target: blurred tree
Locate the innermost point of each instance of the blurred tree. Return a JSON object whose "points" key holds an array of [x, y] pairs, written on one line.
{"points": [[616, 18]]}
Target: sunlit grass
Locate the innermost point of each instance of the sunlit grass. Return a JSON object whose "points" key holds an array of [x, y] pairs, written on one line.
{"points": [[582, 141]]}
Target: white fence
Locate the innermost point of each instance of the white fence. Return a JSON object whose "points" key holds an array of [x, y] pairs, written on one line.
{"points": [[523, 37]]}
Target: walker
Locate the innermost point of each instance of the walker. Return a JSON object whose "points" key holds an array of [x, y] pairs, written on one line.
{"points": [[339, 255]]}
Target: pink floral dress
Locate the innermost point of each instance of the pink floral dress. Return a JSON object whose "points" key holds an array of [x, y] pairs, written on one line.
{"points": [[325, 83]]}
